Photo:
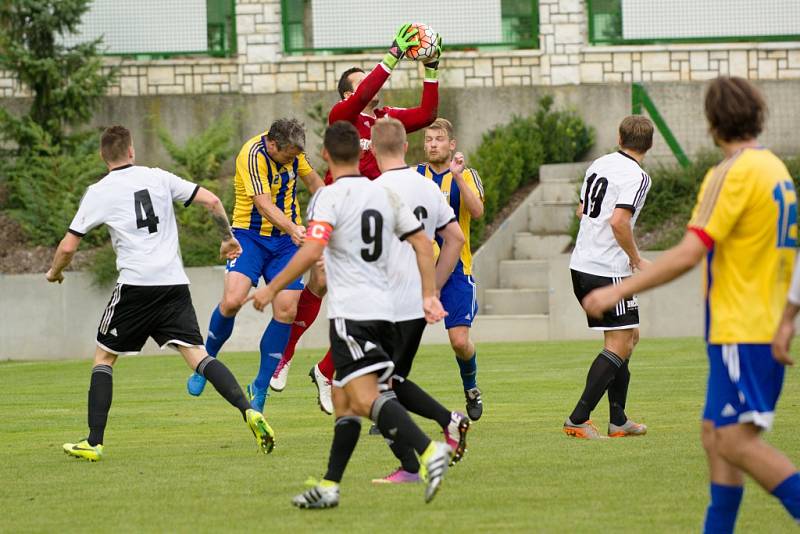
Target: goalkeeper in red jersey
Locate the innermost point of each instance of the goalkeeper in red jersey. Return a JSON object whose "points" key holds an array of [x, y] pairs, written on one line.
{"points": [[359, 93]]}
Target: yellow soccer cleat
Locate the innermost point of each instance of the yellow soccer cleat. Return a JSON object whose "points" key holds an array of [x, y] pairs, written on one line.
{"points": [[84, 450], [261, 430]]}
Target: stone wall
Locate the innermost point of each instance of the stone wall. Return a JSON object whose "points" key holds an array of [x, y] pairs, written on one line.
{"points": [[564, 58]]}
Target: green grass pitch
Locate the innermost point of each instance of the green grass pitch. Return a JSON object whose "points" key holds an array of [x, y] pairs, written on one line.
{"points": [[179, 464]]}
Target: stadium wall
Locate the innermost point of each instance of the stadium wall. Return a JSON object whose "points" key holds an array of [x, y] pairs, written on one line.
{"points": [[41, 321], [564, 57]]}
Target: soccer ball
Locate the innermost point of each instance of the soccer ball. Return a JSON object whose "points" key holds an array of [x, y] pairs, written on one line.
{"points": [[426, 48]]}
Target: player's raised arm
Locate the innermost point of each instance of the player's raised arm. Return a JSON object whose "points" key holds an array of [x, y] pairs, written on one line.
{"points": [[419, 117], [469, 184], [355, 101]]}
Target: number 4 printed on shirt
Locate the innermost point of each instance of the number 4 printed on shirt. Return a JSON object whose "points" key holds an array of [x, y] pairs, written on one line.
{"points": [[145, 215]]}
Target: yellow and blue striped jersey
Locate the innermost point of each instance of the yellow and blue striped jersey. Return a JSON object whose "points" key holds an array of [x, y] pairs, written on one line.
{"points": [[451, 192], [258, 174], [746, 214]]}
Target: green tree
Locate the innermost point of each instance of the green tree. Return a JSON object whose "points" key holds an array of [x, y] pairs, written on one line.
{"points": [[50, 156], [66, 81]]}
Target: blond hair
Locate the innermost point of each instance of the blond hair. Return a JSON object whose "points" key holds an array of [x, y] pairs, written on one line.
{"points": [[388, 136], [443, 125]]}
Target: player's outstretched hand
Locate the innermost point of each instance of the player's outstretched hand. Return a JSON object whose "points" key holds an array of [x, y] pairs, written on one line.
{"points": [[261, 297], [230, 249], [52, 277], [782, 341], [643, 264], [457, 164], [434, 311], [403, 40], [600, 300], [298, 234]]}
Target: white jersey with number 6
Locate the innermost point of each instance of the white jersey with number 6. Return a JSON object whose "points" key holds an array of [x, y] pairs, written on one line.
{"points": [[613, 181], [365, 219], [428, 204], [136, 203]]}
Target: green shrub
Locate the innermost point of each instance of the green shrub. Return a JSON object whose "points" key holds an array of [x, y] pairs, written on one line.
{"points": [[510, 155], [46, 182]]}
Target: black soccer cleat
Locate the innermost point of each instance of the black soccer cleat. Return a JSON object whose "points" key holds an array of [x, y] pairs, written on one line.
{"points": [[474, 403]]}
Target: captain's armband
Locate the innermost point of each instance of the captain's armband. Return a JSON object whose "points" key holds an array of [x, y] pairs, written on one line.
{"points": [[319, 232]]}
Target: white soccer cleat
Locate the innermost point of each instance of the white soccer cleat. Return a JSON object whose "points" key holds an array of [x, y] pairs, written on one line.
{"points": [[281, 375], [324, 386]]}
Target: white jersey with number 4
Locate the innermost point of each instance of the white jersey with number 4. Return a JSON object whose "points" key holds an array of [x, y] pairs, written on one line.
{"points": [[613, 181], [428, 204], [136, 203], [363, 219]]}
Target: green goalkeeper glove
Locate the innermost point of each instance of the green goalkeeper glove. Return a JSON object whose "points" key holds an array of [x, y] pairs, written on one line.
{"points": [[432, 63], [402, 42]]}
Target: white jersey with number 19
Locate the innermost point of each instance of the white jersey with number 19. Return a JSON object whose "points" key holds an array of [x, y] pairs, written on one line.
{"points": [[136, 203], [613, 181], [361, 219]]}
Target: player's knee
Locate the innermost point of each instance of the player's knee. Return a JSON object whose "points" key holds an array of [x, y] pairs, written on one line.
{"points": [[460, 343], [317, 284], [230, 305], [285, 311], [362, 404]]}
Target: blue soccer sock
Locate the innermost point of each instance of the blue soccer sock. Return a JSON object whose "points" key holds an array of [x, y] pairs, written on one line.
{"points": [[469, 371], [219, 330], [788, 492], [722, 510], [273, 343]]}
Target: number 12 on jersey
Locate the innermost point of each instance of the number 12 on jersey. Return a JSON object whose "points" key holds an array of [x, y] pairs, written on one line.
{"points": [[786, 198]]}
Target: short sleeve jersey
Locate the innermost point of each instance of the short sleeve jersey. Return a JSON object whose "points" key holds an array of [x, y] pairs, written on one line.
{"points": [[136, 203], [452, 194], [746, 213], [364, 219], [613, 181], [258, 174], [429, 206]]}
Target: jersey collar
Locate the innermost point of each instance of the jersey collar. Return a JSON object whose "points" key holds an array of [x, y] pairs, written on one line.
{"points": [[350, 176], [621, 153], [122, 167]]}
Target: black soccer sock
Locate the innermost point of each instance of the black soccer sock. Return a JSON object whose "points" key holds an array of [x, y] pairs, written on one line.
{"points": [[418, 401], [101, 388], [601, 373], [346, 431], [401, 451], [224, 382], [618, 395], [395, 423]]}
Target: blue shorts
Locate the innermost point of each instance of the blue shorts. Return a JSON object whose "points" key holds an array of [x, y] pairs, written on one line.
{"points": [[744, 383], [263, 256], [460, 300]]}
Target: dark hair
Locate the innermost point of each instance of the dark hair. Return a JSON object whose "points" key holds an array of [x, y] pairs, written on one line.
{"points": [[342, 142], [735, 109], [286, 133], [636, 133], [114, 144], [344, 84]]}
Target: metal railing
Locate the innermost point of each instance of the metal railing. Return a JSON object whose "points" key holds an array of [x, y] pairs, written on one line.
{"points": [[519, 22]]}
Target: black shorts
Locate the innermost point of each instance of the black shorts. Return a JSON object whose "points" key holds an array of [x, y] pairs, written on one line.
{"points": [[622, 317], [359, 348], [135, 313], [409, 335]]}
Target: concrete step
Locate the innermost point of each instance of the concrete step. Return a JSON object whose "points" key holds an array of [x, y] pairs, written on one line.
{"points": [[529, 246], [507, 328], [515, 301], [563, 172], [551, 217], [559, 191], [524, 274]]}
